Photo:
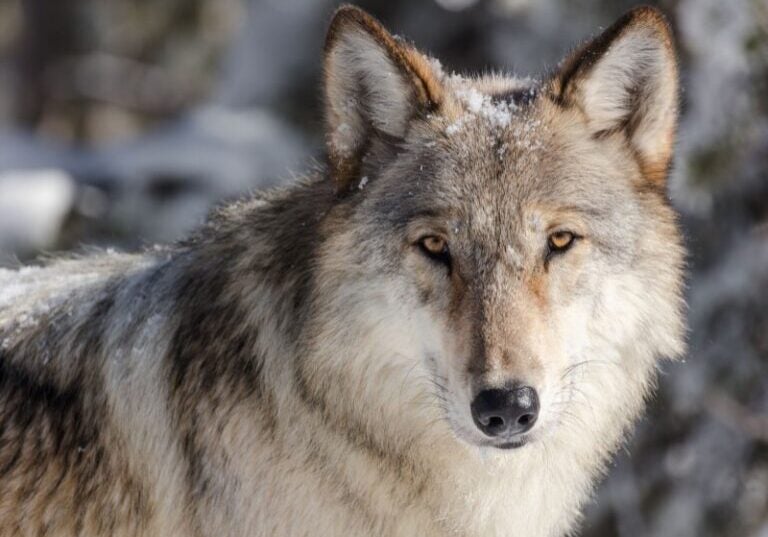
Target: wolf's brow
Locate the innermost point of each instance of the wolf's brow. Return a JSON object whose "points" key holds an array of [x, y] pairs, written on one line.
{"points": [[592, 211], [426, 214]]}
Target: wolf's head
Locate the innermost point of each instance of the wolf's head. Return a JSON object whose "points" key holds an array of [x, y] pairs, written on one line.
{"points": [[501, 248]]}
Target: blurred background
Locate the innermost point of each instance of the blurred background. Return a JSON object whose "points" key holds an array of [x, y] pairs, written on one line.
{"points": [[122, 121]]}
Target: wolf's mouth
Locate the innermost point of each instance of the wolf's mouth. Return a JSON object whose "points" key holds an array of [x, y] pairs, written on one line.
{"points": [[514, 444], [511, 445]]}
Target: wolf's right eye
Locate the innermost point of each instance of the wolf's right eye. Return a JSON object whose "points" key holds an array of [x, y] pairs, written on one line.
{"points": [[435, 248], [560, 241]]}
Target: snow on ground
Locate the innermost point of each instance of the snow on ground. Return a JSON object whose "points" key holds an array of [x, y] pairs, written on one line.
{"points": [[33, 206]]}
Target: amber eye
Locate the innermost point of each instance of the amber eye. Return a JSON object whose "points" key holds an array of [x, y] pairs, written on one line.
{"points": [[436, 248], [560, 241]]}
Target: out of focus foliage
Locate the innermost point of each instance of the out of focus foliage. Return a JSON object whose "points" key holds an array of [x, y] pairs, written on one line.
{"points": [[122, 121]]}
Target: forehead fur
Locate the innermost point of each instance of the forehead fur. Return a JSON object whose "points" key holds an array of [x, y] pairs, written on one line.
{"points": [[490, 132], [500, 159]]}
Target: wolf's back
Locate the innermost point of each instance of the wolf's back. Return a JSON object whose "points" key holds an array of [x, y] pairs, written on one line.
{"points": [[34, 290]]}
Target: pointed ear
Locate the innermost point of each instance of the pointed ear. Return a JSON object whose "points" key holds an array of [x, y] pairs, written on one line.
{"points": [[625, 80], [374, 85]]}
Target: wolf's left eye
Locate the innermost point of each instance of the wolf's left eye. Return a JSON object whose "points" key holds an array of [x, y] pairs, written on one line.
{"points": [[560, 241], [436, 248]]}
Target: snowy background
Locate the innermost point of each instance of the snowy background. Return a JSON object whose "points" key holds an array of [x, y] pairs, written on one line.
{"points": [[122, 121]]}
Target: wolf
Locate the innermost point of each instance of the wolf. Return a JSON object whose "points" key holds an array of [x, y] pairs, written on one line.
{"points": [[448, 329]]}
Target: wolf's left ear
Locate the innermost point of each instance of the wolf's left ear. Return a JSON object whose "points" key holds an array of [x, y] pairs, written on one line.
{"points": [[625, 80], [374, 85]]}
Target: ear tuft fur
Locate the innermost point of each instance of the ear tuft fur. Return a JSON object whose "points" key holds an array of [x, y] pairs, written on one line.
{"points": [[626, 80], [374, 84]]}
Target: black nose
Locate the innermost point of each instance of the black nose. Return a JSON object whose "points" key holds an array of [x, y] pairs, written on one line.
{"points": [[505, 412]]}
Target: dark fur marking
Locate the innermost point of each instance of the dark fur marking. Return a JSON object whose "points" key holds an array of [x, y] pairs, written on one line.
{"points": [[212, 358], [318, 459], [517, 97], [54, 423], [397, 464], [478, 362], [213, 355]]}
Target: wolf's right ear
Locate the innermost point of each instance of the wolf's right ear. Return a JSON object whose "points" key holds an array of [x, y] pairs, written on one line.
{"points": [[625, 81], [374, 85]]}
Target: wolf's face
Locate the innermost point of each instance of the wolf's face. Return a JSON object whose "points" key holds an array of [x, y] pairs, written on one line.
{"points": [[512, 239]]}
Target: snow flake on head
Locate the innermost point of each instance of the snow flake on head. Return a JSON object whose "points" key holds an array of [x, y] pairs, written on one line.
{"points": [[512, 124], [497, 113], [343, 140], [437, 67], [513, 256], [525, 135], [455, 127]]}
